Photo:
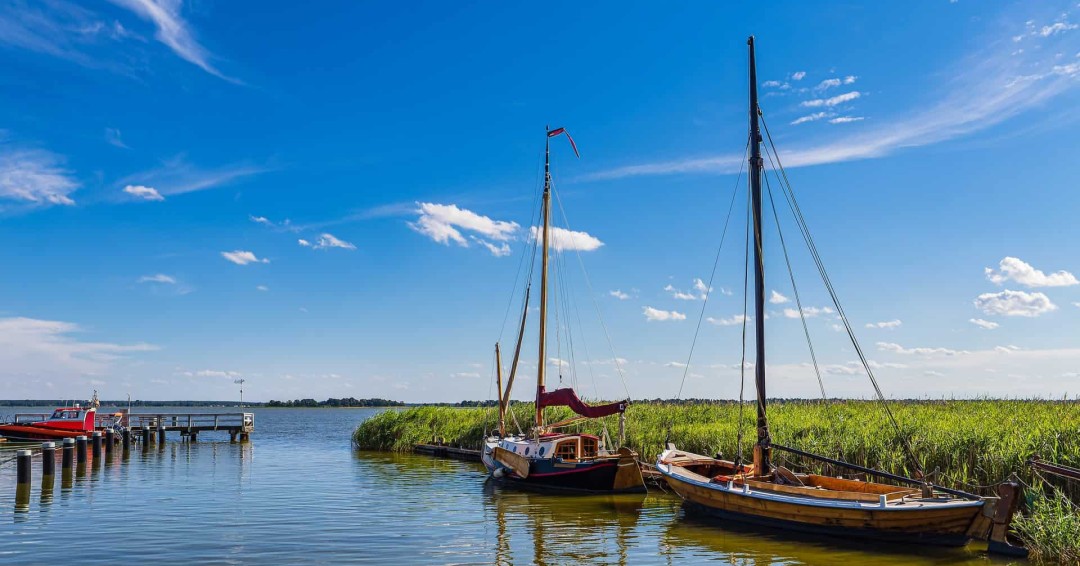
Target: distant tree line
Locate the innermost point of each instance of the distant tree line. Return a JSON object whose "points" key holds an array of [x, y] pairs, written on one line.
{"points": [[332, 402]]}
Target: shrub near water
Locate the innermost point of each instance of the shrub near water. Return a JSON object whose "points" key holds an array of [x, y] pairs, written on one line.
{"points": [[963, 444]]}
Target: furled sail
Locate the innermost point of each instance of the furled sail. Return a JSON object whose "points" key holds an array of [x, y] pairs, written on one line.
{"points": [[566, 397]]}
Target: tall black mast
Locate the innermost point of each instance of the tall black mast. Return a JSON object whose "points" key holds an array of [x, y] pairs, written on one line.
{"points": [[761, 449]]}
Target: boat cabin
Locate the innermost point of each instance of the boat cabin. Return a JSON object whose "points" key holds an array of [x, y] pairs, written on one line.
{"points": [[71, 418], [564, 447]]}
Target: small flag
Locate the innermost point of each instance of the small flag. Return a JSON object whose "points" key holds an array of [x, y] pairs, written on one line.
{"points": [[561, 131]]}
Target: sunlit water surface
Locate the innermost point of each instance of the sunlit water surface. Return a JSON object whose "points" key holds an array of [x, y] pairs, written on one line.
{"points": [[298, 494]]}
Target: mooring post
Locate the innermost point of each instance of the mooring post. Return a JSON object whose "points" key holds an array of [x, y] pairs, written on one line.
{"points": [[232, 436], [193, 436], [145, 436], [66, 461], [22, 484], [96, 437], [80, 450], [126, 435], [110, 439], [161, 432], [48, 470]]}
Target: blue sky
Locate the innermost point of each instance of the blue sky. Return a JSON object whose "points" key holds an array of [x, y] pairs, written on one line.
{"points": [[333, 200]]}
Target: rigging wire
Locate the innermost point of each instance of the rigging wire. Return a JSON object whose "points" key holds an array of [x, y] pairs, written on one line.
{"points": [[712, 275], [801, 221], [795, 288]]}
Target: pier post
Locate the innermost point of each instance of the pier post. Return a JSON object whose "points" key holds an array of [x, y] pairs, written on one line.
{"points": [[22, 475], [232, 436], [80, 450], [161, 431], [48, 470], [193, 436], [110, 439], [145, 436], [66, 461], [96, 437], [126, 435]]}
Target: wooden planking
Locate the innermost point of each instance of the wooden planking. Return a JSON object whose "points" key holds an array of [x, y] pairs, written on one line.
{"points": [[628, 475], [841, 484], [821, 493], [515, 462], [932, 520]]}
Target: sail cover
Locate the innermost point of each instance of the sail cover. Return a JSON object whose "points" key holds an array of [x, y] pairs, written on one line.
{"points": [[566, 397]]}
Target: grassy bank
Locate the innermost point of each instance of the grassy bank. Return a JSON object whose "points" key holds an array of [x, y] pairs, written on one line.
{"points": [[964, 444]]}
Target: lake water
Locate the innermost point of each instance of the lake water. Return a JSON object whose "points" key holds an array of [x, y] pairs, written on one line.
{"points": [[298, 494]]}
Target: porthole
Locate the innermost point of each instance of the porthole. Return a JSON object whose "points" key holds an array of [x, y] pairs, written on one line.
{"points": [[526, 450], [541, 453]]}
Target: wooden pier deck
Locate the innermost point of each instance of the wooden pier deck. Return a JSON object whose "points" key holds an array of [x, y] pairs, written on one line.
{"points": [[444, 451], [238, 425]]}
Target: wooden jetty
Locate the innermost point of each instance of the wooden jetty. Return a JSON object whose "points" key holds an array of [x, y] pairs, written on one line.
{"points": [[238, 425], [444, 451]]}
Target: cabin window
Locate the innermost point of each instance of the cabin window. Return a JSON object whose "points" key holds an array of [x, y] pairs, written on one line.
{"points": [[541, 450], [589, 447], [567, 449], [526, 450]]}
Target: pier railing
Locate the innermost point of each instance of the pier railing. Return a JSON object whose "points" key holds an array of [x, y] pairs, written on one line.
{"points": [[244, 422]]}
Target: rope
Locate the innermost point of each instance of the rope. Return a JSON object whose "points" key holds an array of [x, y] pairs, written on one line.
{"points": [[801, 222], [712, 275]]}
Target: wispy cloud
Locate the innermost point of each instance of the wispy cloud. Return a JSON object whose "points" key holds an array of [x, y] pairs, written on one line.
{"points": [[159, 278], [777, 299], [698, 292], [176, 176], [444, 223], [568, 240], [889, 324], [991, 85], [619, 295], [984, 324], [846, 119], [242, 257], [30, 346], [113, 137], [898, 349], [732, 320], [174, 32], [61, 29], [32, 178], [327, 241], [810, 118], [807, 312], [831, 101]]}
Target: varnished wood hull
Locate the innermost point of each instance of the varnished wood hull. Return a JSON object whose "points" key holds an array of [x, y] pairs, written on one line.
{"points": [[948, 525]]}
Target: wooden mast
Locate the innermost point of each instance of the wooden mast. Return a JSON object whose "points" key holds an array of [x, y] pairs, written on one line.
{"points": [[517, 353], [761, 448], [498, 388], [541, 361]]}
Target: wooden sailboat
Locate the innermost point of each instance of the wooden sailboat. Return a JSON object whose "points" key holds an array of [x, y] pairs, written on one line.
{"points": [[545, 459], [770, 495]]}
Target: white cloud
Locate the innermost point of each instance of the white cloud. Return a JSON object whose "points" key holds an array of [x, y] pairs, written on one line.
{"points": [[1006, 349], [34, 178], [798, 75], [326, 241], [698, 292], [846, 119], [828, 83], [261, 220], [887, 324], [304, 243], [1015, 269], [652, 314], [1014, 303], [850, 79], [144, 193], [112, 137], [1056, 27], [173, 31], [809, 118], [831, 101], [41, 348], [675, 365], [568, 240], [619, 295], [176, 176], [262, 288], [159, 278], [898, 349], [778, 299], [443, 223], [771, 84], [808, 312], [500, 250], [241, 257], [216, 373], [985, 324], [466, 375], [732, 320]]}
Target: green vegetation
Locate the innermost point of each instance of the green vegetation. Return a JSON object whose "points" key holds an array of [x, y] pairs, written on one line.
{"points": [[962, 444]]}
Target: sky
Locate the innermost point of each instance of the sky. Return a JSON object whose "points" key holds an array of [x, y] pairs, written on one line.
{"points": [[335, 200]]}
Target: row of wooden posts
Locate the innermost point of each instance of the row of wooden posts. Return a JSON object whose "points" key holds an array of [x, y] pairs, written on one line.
{"points": [[76, 452]]}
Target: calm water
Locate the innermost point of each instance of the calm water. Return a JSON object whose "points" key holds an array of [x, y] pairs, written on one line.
{"points": [[298, 494]]}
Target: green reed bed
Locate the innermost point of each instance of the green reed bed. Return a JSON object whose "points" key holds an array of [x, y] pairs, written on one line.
{"points": [[964, 444]]}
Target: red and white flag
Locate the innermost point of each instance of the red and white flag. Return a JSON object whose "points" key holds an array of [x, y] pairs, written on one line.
{"points": [[562, 131]]}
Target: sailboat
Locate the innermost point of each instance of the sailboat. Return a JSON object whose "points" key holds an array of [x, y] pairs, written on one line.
{"points": [[545, 459], [764, 493]]}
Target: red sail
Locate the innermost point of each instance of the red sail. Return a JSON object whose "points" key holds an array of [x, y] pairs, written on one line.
{"points": [[567, 398]]}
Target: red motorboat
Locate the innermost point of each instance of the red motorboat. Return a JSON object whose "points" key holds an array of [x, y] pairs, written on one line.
{"points": [[65, 422]]}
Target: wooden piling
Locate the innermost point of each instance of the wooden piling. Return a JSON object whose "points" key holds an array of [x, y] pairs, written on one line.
{"points": [[110, 439], [22, 483], [96, 443], [161, 433], [126, 435], [145, 436]]}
